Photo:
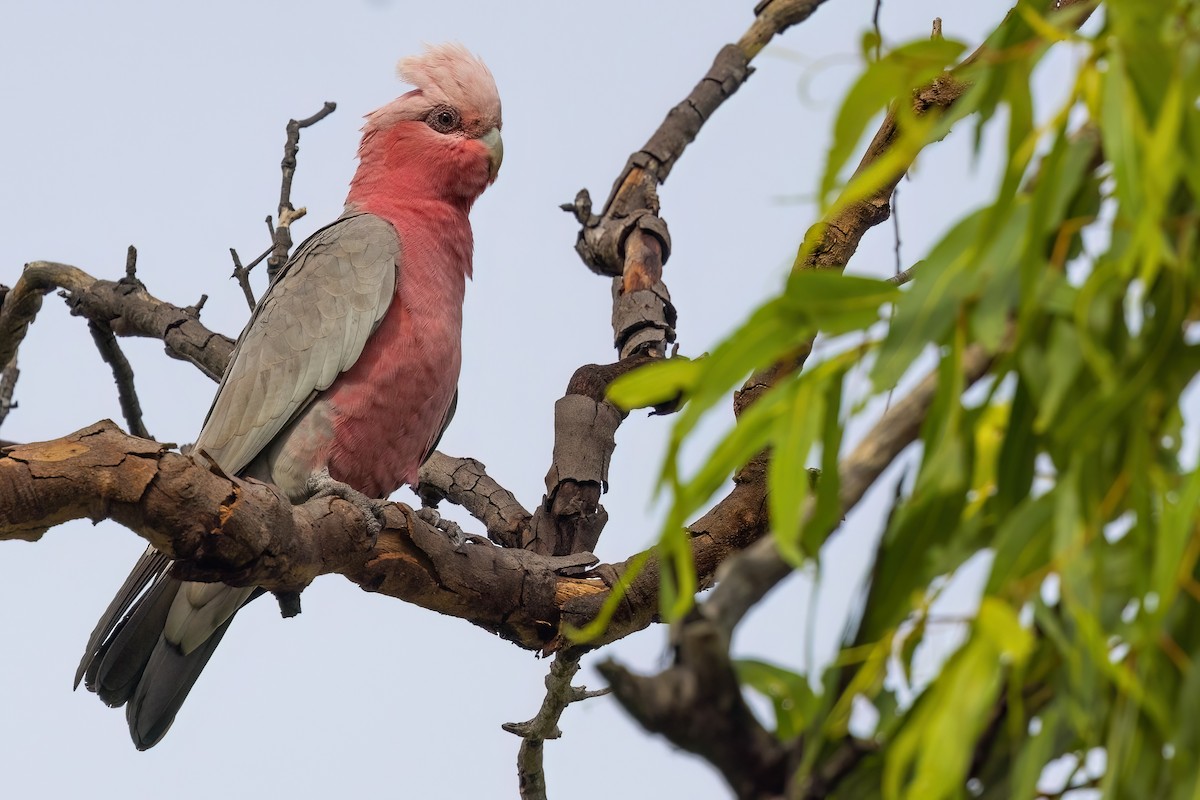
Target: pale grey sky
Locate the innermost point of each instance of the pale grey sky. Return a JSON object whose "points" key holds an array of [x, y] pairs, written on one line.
{"points": [[161, 125]]}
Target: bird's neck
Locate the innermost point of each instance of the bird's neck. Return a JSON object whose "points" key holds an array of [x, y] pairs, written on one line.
{"points": [[436, 242]]}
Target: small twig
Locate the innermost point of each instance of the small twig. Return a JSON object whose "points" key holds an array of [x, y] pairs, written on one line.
{"points": [[878, 32], [131, 263], [242, 273], [110, 351], [559, 694], [896, 225], [8, 384], [903, 276], [287, 212], [242, 276]]}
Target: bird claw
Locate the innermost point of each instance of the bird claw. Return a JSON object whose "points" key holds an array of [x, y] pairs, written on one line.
{"points": [[449, 527], [322, 484]]}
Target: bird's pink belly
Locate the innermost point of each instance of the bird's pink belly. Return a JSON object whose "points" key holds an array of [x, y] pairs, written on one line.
{"points": [[390, 406]]}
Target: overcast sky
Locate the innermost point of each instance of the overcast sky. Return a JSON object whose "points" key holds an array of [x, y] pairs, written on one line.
{"points": [[162, 124]]}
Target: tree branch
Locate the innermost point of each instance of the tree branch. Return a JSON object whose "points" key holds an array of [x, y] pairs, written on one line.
{"points": [[830, 243], [633, 202], [8, 384], [124, 305], [697, 703], [110, 351], [282, 233], [243, 533], [465, 482], [570, 517], [559, 694]]}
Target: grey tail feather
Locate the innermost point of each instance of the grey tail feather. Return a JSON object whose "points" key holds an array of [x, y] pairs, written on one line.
{"points": [[149, 567], [128, 661], [164, 684]]}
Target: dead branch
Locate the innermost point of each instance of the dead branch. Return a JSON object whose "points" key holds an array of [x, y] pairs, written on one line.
{"points": [[124, 305], [465, 482], [282, 233], [110, 351], [633, 202], [241, 274], [629, 241], [559, 694], [570, 517]]}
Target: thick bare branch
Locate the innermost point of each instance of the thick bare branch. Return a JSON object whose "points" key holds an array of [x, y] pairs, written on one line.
{"points": [[245, 533]]}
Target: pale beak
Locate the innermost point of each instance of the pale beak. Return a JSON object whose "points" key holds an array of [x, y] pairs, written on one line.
{"points": [[495, 150]]}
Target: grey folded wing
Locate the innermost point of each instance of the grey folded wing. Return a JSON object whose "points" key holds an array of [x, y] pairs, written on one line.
{"points": [[310, 327]]}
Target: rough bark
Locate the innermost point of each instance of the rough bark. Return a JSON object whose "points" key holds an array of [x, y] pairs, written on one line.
{"points": [[243, 532]]}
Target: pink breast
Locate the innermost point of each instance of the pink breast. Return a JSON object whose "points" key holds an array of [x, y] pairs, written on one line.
{"points": [[389, 407]]}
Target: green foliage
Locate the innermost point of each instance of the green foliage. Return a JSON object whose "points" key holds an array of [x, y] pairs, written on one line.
{"points": [[793, 699], [794, 412], [1067, 466]]}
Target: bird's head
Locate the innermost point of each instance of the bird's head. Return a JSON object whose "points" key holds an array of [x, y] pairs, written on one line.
{"points": [[443, 137]]}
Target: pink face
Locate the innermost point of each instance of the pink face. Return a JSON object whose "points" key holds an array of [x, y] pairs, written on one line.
{"points": [[445, 134]]}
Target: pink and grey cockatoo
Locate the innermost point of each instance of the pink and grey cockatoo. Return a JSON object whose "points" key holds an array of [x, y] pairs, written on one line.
{"points": [[349, 364]]}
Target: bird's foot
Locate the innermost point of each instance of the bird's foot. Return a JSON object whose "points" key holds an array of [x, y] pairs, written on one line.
{"points": [[322, 484], [447, 526]]}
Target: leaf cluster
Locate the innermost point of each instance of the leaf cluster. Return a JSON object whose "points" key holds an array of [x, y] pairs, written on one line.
{"points": [[1071, 468]]}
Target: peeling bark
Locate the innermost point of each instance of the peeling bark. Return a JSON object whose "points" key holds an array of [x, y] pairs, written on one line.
{"points": [[245, 533]]}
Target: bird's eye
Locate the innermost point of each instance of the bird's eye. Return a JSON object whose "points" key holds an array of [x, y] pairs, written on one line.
{"points": [[443, 119]]}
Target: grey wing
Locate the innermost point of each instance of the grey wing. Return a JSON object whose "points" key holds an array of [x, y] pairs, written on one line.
{"points": [[311, 326]]}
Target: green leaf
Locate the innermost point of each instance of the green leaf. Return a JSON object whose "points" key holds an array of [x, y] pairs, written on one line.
{"points": [[790, 694], [654, 384], [788, 479], [956, 273], [955, 709], [895, 75], [835, 303]]}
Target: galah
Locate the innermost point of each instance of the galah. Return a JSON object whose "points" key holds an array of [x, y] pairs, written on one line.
{"points": [[346, 372]]}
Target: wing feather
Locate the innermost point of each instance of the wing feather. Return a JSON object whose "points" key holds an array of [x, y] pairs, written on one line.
{"points": [[310, 327]]}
